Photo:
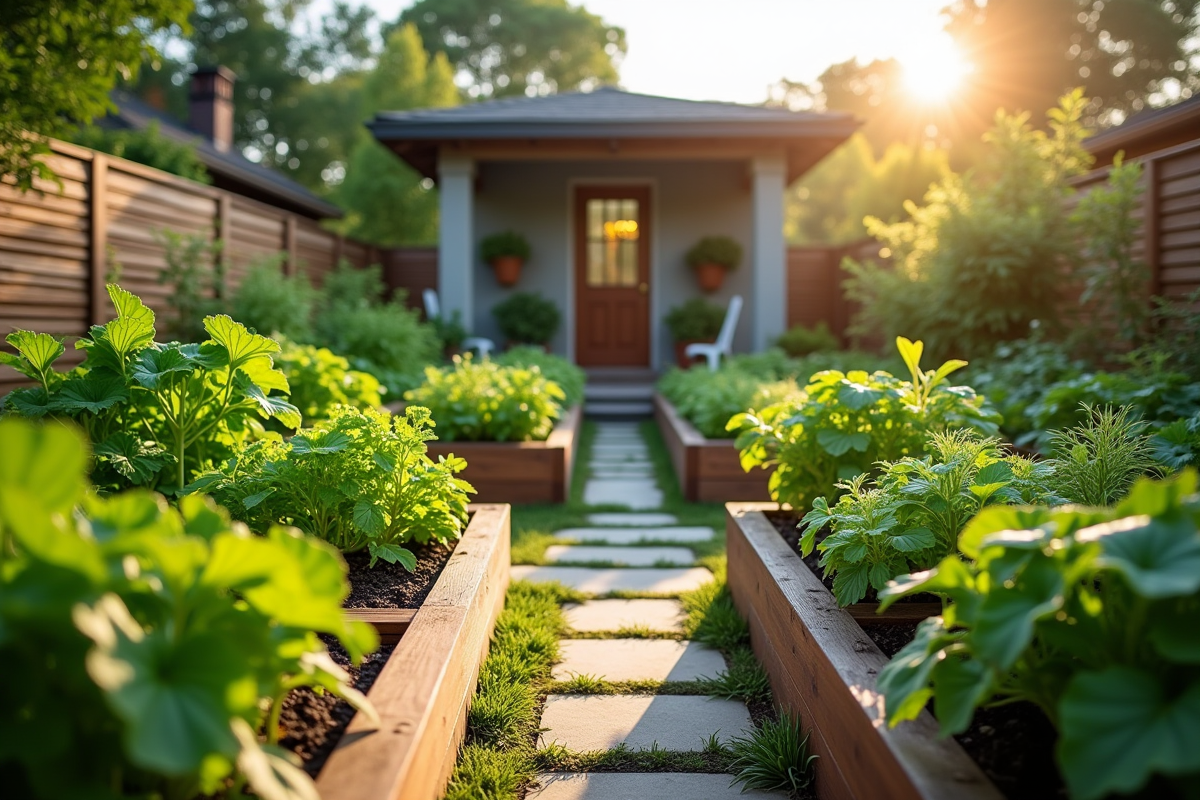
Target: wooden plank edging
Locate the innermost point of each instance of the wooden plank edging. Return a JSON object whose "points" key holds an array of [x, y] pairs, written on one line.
{"points": [[424, 691], [823, 668], [708, 470]]}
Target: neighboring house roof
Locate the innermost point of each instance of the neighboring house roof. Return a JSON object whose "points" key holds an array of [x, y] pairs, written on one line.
{"points": [[1148, 131], [229, 170], [607, 113]]}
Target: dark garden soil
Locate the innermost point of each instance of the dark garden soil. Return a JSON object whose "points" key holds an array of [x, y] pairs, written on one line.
{"points": [[391, 585], [1013, 744]]}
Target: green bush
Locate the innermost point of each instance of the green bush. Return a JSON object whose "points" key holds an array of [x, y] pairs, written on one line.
{"points": [[801, 341], [527, 318], [195, 273], [697, 320], [145, 647], [507, 243], [146, 146], [715, 250], [570, 378], [1090, 614], [1016, 374], [271, 302], [361, 481], [450, 330], [156, 414], [845, 423], [481, 401], [319, 381]]}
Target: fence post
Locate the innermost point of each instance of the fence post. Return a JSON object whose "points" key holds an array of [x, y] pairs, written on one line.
{"points": [[1150, 225], [98, 244], [289, 244], [224, 231]]}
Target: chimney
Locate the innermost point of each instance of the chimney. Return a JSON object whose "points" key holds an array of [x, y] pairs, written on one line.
{"points": [[210, 105]]}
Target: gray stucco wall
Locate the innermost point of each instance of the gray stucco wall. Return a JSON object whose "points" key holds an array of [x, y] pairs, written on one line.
{"points": [[690, 200]]}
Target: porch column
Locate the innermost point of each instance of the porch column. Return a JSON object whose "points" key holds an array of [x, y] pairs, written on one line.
{"points": [[768, 307], [456, 240]]}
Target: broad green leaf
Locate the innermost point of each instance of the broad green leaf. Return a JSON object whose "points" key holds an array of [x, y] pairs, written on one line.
{"points": [[262, 372], [134, 459], [838, 443], [995, 473], [38, 352], [911, 352], [252, 500], [953, 365], [159, 363], [995, 519], [1119, 727], [1174, 627], [133, 328], [960, 685], [857, 396], [202, 517], [1007, 615], [238, 341], [904, 682], [1159, 556], [91, 393], [913, 540], [33, 403], [268, 405], [850, 584], [369, 518], [950, 578], [48, 461], [119, 519], [1152, 498], [393, 554], [321, 442]]}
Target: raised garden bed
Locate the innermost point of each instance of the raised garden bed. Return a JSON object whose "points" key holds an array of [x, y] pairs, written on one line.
{"points": [[708, 469], [423, 691], [823, 667], [520, 472]]}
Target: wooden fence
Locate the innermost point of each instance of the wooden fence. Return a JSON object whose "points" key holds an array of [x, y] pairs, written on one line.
{"points": [[59, 245]]}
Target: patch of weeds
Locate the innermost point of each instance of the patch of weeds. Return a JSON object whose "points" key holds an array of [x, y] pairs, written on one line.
{"points": [[774, 758], [712, 618], [744, 680], [487, 774], [590, 684], [633, 632], [621, 758]]}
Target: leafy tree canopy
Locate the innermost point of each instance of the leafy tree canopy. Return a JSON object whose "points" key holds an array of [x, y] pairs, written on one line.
{"points": [[58, 61], [520, 47], [147, 147]]}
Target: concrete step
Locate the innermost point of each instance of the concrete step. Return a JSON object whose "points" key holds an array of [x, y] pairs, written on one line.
{"points": [[609, 409], [619, 391]]}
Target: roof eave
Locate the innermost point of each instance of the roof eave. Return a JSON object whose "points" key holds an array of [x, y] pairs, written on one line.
{"points": [[393, 130]]}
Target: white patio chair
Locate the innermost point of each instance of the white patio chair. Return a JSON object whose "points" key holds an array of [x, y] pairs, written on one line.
{"points": [[433, 310], [723, 346]]}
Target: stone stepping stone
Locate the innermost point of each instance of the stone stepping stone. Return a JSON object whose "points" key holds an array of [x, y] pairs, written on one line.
{"points": [[681, 723], [622, 472], [599, 580], [631, 535], [640, 786], [637, 660], [621, 447], [610, 616], [622, 519], [639, 495], [620, 556]]}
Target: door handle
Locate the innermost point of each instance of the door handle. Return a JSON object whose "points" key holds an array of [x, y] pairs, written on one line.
{"points": [[643, 288]]}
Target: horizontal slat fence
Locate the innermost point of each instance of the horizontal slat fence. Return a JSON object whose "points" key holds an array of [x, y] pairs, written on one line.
{"points": [[60, 244]]}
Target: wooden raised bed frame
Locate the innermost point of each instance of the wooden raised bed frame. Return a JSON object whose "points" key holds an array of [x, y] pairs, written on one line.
{"points": [[520, 472], [424, 691], [709, 470], [823, 667]]}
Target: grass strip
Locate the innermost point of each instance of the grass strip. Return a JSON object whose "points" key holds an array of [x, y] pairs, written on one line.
{"points": [[714, 758]]}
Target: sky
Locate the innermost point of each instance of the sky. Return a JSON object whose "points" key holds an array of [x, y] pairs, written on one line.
{"points": [[735, 49]]}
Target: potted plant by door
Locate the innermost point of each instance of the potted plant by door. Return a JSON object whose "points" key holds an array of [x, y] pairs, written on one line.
{"points": [[527, 318], [697, 320], [711, 258], [506, 253]]}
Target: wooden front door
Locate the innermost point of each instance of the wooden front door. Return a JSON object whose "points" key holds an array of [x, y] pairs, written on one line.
{"points": [[612, 276]]}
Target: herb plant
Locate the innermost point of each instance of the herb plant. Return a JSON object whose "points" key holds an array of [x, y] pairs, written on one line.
{"points": [[157, 414], [319, 381], [481, 401], [1096, 462], [844, 423], [195, 273], [570, 378], [773, 758], [506, 243], [274, 303], [799, 341], [527, 318], [361, 481], [1090, 614], [144, 646]]}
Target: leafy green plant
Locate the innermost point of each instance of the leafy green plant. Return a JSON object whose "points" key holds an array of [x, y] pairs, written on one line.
{"points": [[774, 757], [156, 414], [715, 250], [527, 318], [506, 243], [844, 423], [195, 271], [319, 381], [145, 645], [800, 341], [911, 516], [697, 320], [1091, 614], [272, 302], [570, 378], [1096, 462], [361, 481], [146, 146], [1016, 374], [450, 330], [1177, 445], [481, 401]]}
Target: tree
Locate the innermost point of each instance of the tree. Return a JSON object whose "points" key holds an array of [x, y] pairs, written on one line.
{"points": [[520, 47], [147, 146], [387, 202], [59, 59]]}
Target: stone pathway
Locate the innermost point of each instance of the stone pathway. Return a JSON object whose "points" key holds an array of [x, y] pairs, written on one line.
{"points": [[639, 545]]}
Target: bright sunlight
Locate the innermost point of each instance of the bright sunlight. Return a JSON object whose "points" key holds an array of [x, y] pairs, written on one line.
{"points": [[934, 69]]}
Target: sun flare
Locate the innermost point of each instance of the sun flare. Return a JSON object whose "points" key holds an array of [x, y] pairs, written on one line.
{"points": [[934, 71]]}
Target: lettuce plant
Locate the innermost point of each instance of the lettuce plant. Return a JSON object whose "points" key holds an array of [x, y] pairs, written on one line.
{"points": [[1091, 614], [145, 647], [156, 414], [844, 423], [361, 481]]}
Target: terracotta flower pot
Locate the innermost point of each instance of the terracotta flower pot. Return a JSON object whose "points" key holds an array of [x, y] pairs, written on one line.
{"points": [[710, 276], [682, 360], [508, 269]]}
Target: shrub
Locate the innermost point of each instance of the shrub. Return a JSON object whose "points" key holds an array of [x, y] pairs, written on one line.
{"points": [[319, 381], [481, 401], [196, 274], [146, 146], [715, 250], [800, 341], [271, 302], [145, 646], [361, 481], [1016, 374], [845, 423], [773, 758], [499, 245], [157, 414], [1096, 462], [697, 320], [570, 378], [527, 318], [1090, 614]]}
